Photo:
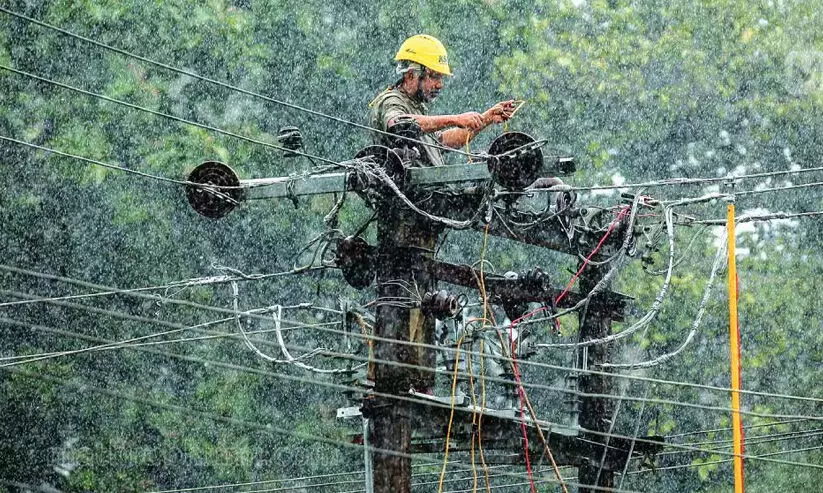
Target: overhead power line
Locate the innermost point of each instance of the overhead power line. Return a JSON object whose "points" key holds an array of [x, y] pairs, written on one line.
{"points": [[754, 440], [759, 217], [363, 359], [99, 163], [417, 484], [267, 428], [302, 478], [728, 428], [186, 283], [759, 191], [216, 190], [378, 338], [174, 326], [681, 181], [164, 115], [226, 85], [409, 398], [253, 315], [721, 461], [270, 429], [344, 387]]}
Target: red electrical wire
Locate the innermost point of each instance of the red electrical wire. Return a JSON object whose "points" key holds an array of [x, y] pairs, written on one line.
{"points": [[596, 249]]}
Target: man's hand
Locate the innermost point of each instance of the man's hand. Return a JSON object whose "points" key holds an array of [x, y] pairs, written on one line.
{"points": [[500, 112], [471, 120]]}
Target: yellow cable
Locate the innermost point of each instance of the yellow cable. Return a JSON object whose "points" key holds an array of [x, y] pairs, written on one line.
{"points": [[468, 148], [519, 103], [503, 350], [483, 277], [471, 380], [480, 417], [486, 314], [362, 323], [474, 417], [451, 415]]}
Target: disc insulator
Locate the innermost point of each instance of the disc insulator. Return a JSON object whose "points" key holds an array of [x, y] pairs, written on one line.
{"points": [[219, 193]]}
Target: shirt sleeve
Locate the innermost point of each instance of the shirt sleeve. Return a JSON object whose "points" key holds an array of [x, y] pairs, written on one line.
{"points": [[390, 108]]}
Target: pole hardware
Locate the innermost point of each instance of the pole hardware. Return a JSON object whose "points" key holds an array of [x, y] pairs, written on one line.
{"points": [[516, 160], [291, 139], [440, 305], [357, 260], [221, 191]]}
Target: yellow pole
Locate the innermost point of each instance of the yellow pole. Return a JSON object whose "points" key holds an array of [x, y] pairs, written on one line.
{"points": [[734, 339]]}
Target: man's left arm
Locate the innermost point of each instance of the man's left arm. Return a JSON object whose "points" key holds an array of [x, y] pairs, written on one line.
{"points": [[458, 137]]}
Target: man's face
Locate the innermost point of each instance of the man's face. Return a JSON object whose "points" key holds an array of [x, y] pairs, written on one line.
{"points": [[430, 84]]}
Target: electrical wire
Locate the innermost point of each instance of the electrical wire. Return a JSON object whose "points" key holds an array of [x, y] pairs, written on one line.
{"points": [[133, 293], [759, 218], [210, 128], [668, 215], [502, 358], [481, 281], [524, 398], [226, 85], [396, 397], [176, 327], [552, 480], [321, 476], [719, 261], [131, 343], [257, 483], [451, 414], [101, 163], [498, 380], [746, 193], [409, 343], [717, 430], [507, 475], [678, 181], [212, 189], [730, 196], [187, 283], [277, 315], [267, 428], [754, 440], [470, 370], [480, 415], [721, 461], [635, 434]]}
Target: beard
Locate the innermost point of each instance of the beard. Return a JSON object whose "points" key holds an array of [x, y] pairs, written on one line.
{"points": [[429, 96]]}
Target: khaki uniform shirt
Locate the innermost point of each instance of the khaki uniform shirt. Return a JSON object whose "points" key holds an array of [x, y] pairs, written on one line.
{"points": [[402, 229], [394, 102]]}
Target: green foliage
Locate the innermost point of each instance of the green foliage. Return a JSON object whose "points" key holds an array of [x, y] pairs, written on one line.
{"points": [[643, 90]]}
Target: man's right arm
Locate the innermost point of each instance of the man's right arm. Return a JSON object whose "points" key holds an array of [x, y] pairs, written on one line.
{"points": [[432, 123]]}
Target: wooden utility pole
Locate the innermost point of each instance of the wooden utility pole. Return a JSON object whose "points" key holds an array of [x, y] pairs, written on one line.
{"points": [[405, 252], [595, 412]]}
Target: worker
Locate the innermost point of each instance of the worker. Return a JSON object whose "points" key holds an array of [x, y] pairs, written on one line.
{"points": [[400, 110], [422, 64]]}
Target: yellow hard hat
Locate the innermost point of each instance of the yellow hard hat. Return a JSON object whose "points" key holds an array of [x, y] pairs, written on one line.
{"points": [[427, 51]]}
